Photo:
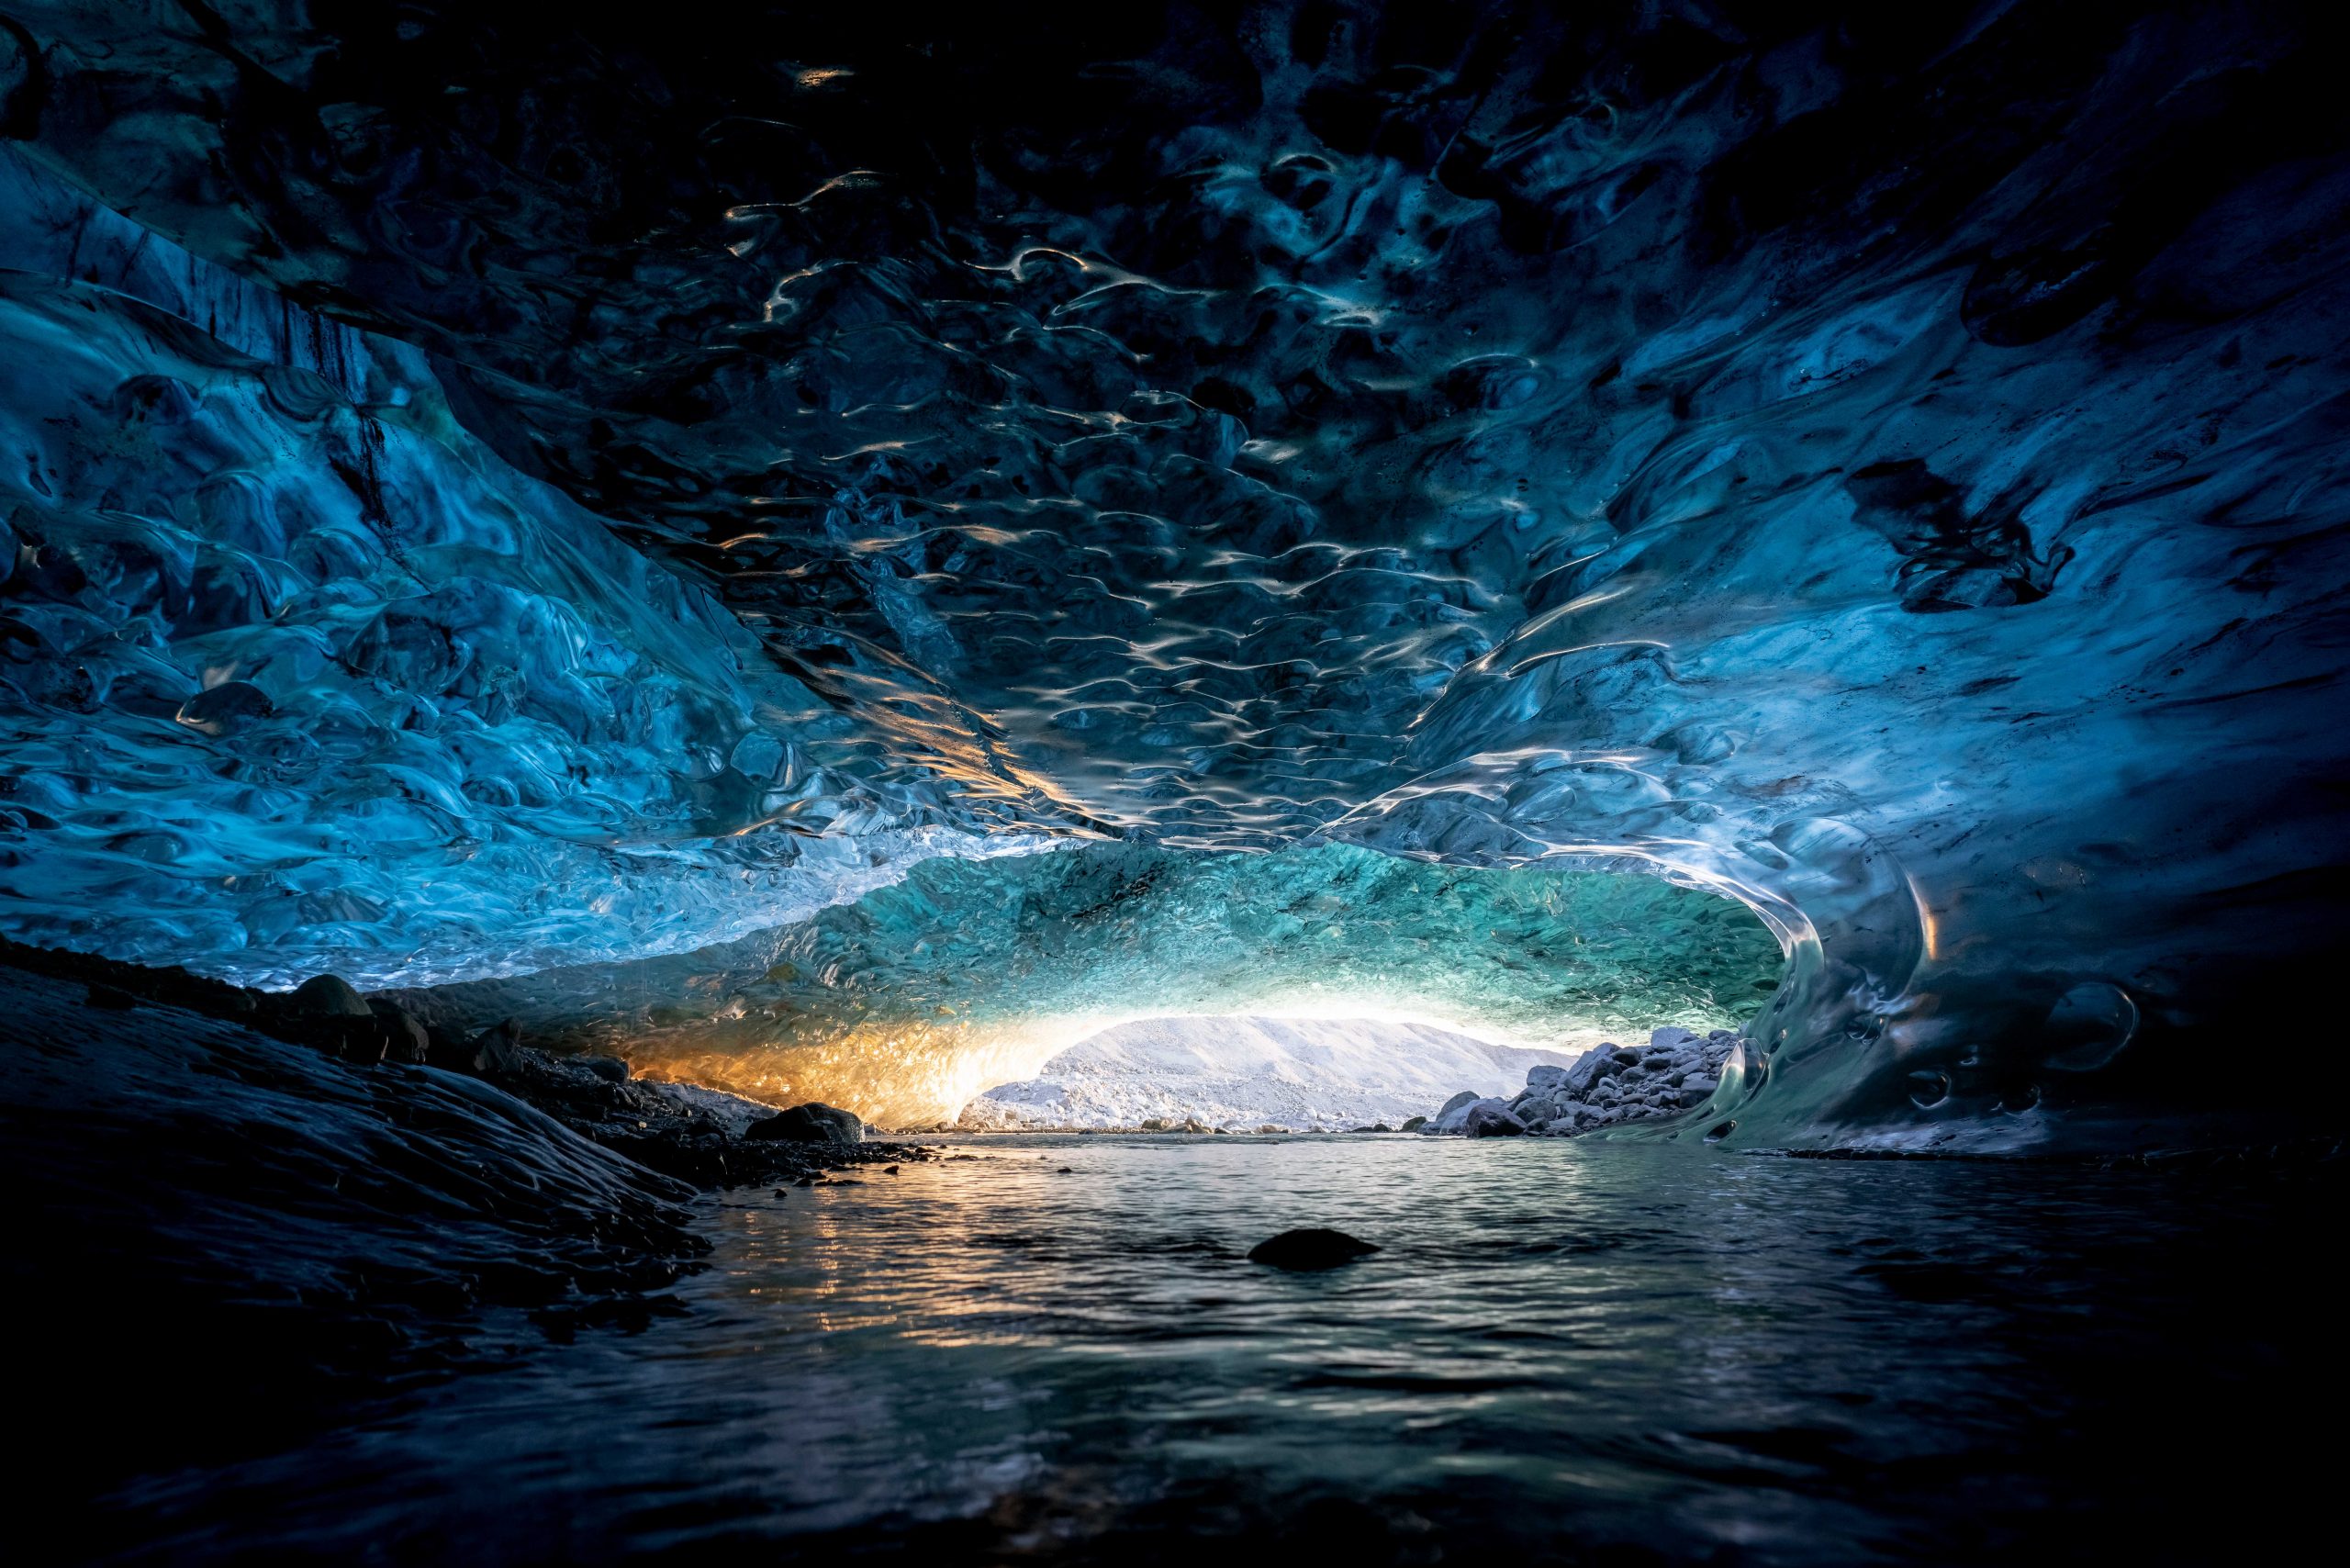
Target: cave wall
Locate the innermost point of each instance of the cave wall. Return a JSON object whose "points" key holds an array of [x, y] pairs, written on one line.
{"points": [[1885, 464]]}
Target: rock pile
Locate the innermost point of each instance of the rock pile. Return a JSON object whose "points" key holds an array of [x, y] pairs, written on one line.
{"points": [[1608, 1085]]}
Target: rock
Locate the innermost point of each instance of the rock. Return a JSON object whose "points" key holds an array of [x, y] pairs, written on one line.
{"points": [[1310, 1249], [1673, 1040], [498, 1047], [1465, 1098], [1590, 1067], [1488, 1118], [1545, 1077], [112, 998], [449, 1051], [404, 1039], [611, 1069], [1415, 1124], [494, 1049], [1456, 1112], [812, 1122], [330, 996], [362, 1044]]}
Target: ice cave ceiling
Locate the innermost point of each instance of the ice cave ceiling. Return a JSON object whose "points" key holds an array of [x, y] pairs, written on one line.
{"points": [[488, 494]]}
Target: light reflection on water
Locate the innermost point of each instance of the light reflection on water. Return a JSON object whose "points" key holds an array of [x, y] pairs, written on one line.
{"points": [[1563, 1346]]}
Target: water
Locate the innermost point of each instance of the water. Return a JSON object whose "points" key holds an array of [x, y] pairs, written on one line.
{"points": [[1566, 1352]]}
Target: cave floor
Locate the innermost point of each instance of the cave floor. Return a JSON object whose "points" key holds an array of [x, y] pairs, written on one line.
{"points": [[1055, 1349]]}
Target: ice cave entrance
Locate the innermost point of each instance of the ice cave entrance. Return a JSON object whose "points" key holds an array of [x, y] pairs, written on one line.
{"points": [[1116, 984], [1239, 1074]]}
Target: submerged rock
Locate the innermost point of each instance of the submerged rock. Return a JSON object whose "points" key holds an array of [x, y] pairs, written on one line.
{"points": [[1310, 1249], [811, 1123]]}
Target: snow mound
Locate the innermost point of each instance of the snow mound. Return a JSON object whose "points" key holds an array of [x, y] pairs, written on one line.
{"points": [[1246, 1073]]}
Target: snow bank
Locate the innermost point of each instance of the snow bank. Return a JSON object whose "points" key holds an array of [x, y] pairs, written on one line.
{"points": [[1246, 1073]]}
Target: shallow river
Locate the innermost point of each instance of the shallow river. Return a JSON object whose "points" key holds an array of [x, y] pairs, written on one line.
{"points": [[1568, 1351]]}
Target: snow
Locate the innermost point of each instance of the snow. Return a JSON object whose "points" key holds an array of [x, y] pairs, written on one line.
{"points": [[1301, 1074]]}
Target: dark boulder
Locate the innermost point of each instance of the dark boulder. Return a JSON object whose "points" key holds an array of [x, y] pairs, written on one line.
{"points": [[1489, 1119], [499, 1047], [1310, 1249], [492, 1050], [404, 1039], [812, 1122], [330, 996], [447, 1050], [611, 1069]]}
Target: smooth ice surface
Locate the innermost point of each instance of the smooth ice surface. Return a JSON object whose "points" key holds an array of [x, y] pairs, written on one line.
{"points": [[1885, 463], [1244, 1074]]}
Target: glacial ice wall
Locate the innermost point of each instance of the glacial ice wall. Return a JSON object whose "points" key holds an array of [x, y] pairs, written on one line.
{"points": [[296, 676], [966, 974], [1883, 462]]}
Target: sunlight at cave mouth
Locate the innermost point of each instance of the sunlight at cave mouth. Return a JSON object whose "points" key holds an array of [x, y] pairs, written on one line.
{"points": [[1270, 1072], [909, 1002]]}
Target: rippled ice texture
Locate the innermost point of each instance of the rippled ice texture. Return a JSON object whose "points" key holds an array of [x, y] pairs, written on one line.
{"points": [[1564, 1349], [297, 675], [1885, 460]]}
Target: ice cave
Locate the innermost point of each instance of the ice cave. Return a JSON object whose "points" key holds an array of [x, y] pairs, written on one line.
{"points": [[1456, 779]]}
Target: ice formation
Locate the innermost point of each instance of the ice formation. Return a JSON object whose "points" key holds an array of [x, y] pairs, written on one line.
{"points": [[1886, 470], [301, 677], [1248, 1074], [910, 1002]]}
